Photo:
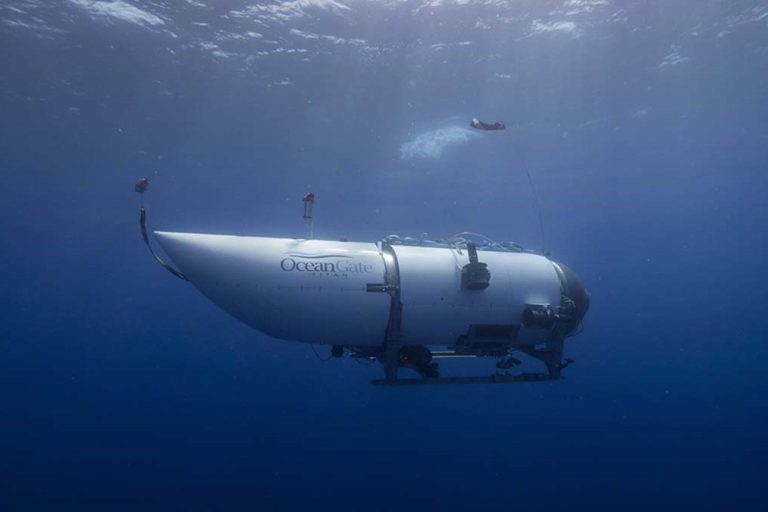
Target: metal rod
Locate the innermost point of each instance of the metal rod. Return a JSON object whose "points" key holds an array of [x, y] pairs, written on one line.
{"points": [[490, 379]]}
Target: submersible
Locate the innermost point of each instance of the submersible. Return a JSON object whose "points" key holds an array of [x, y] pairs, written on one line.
{"points": [[402, 302]]}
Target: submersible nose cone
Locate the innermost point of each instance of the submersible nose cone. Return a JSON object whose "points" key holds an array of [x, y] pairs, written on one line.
{"points": [[183, 248], [202, 258]]}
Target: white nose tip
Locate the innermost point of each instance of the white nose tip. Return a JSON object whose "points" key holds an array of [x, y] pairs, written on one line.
{"points": [[186, 249], [227, 269], [210, 260]]}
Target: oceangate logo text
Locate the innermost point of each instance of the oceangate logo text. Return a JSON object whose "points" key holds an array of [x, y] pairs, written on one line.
{"points": [[327, 264]]}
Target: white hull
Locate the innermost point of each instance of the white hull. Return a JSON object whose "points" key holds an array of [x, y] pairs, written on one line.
{"points": [[319, 291]]}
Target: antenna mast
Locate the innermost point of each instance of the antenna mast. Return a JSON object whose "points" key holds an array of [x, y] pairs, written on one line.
{"points": [[309, 202]]}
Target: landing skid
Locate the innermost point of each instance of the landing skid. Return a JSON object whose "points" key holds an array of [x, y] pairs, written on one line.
{"points": [[490, 379], [394, 356]]}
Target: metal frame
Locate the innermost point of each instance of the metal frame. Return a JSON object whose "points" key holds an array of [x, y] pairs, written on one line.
{"points": [[390, 353]]}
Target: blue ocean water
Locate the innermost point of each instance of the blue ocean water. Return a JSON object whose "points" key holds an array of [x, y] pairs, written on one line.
{"points": [[644, 128]]}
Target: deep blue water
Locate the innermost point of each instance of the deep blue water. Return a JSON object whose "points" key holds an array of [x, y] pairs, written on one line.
{"points": [[644, 127]]}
